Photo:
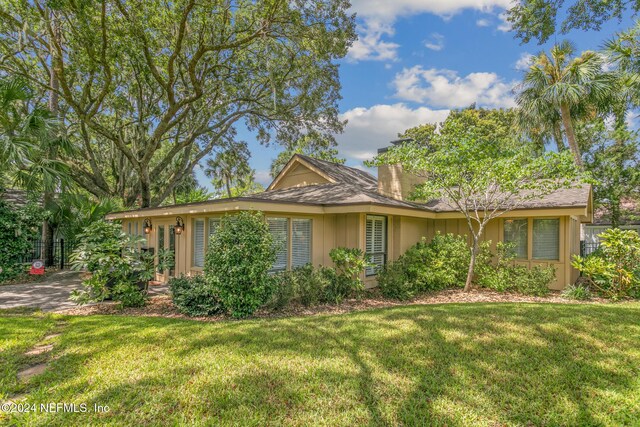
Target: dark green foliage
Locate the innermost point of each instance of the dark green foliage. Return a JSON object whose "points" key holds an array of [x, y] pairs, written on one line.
{"points": [[431, 266], [499, 272], [614, 270], [119, 270], [193, 296], [349, 266], [306, 285], [577, 292], [537, 19], [238, 261], [17, 229]]}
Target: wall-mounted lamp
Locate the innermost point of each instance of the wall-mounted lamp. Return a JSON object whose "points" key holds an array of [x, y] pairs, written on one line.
{"points": [[179, 225], [147, 226]]}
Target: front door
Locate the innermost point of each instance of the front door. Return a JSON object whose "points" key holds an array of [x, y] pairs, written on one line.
{"points": [[166, 242]]}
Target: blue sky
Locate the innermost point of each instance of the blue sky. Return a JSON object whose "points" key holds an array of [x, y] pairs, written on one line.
{"points": [[417, 59]]}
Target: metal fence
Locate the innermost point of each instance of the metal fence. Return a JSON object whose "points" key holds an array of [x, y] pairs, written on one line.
{"points": [[588, 247], [60, 256]]}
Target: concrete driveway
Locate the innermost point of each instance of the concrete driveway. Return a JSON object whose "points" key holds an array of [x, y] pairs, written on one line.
{"points": [[49, 295], [53, 293]]}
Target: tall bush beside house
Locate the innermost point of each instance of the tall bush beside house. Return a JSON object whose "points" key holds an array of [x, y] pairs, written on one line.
{"points": [[614, 270], [238, 261], [17, 229], [119, 269], [349, 265], [426, 266], [498, 271]]}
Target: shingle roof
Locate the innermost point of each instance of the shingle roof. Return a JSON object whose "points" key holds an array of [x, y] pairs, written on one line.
{"points": [[342, 173], [331, 194], [563, 198]]}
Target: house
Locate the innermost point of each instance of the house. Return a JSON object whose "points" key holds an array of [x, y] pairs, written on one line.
{"points": [[630, 220], [315, 205]]}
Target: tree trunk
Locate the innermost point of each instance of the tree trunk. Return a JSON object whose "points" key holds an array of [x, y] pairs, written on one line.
{"points": [[145, 192], [557, 136], [472, 264], [49, 193], [228, 185], [571, 136]]}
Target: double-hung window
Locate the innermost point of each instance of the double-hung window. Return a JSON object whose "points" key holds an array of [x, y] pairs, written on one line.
{"points": [[375, 242], [546, 239], [516, 232], [300, 242], [198, 243], [279, 228], [292, 240]]}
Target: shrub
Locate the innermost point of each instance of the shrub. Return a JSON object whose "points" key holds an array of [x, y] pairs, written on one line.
{"points": [[426, 266], [193, 296], [18, 227], [238, 261], [119, 270], [307, 285], [345, 279], [614, 270], [577, 292], [500, 272], [394, 282]]}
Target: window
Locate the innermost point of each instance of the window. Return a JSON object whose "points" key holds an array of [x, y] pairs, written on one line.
{"points": [[279, 228], [129, 232], [516, 231], [198, 243], [160, 243], [546, 239], [300, 242], [376, 242]]}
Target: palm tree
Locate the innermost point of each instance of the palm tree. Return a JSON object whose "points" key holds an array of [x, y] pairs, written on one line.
{"points": [[230, 168], [564, 83]]}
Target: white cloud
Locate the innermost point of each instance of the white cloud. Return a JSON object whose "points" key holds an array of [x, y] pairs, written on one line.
{"points": [[436, 42], [370, 45], [390, 10], [377, 17], [371, 128], [504, 26], [483, 22], [262, 176], [524, 62], [445, 88]]}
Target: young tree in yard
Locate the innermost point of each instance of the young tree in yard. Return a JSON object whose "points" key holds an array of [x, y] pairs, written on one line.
{"points": [[149, 89], [480, 173], [565, 83]]}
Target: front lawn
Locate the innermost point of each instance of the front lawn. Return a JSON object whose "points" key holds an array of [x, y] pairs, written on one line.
{"points": [[452, 364]]}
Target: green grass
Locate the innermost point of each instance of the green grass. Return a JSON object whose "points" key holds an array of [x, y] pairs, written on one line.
{"points": [[457, 364]]}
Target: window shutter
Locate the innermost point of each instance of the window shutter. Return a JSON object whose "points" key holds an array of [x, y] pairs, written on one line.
{"points": [[517, 231], [198, 243], [279, 228], [300, 242], [546, 239], [129, 226], [375, 242]]}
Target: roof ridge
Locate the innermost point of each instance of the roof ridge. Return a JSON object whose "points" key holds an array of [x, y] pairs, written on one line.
{"points": [[334, 164]]}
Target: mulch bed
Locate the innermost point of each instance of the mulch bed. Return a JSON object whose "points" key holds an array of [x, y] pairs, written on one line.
{"points": [[161, 306]]}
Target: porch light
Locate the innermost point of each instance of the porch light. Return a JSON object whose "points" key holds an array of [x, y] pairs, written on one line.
{"points": [[179, 226], [147, 226]]}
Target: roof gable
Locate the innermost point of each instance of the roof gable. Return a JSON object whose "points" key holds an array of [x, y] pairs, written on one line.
{"points": [[324, 172], [297, 173]]}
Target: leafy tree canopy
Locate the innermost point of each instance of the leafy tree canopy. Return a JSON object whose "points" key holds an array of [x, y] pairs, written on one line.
{"points": [[537, 19], [148, 89]]}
